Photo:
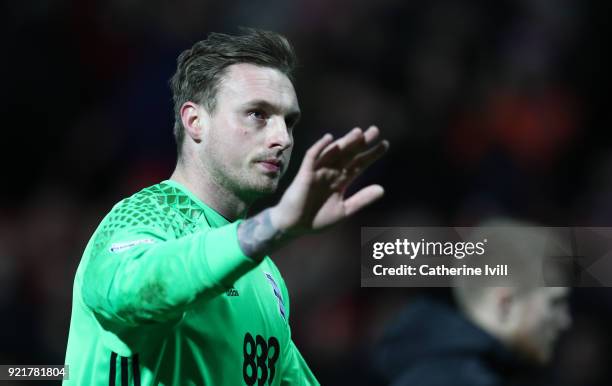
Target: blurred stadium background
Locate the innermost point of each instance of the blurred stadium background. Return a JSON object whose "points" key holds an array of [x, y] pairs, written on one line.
{"points": [[492, 108]]}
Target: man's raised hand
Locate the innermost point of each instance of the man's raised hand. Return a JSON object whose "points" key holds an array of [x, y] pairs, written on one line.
{"points": [[316, 197]]}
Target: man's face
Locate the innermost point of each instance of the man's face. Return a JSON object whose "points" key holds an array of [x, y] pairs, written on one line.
{"points": [[247, 143], [543, 316]]}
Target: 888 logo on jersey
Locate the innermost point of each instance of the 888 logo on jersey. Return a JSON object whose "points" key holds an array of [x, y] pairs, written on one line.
{"points": [[259, 359]]}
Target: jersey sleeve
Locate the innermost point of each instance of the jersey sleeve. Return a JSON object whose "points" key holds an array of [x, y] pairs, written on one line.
{"points": [[140, 276], [295, 370]]}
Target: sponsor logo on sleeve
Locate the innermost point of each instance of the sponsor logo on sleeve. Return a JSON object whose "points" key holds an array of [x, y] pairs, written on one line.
{"points": [[120, 247]]}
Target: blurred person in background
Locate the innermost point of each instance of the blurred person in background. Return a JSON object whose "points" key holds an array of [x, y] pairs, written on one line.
{"points": [[176, 286], [485, 335]]}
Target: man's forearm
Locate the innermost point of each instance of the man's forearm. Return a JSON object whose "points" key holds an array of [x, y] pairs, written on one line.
{"points": [[258, 236]]}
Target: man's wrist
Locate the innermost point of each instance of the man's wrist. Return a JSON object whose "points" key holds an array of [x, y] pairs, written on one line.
{"points": [[261, 234], [279, 220]]}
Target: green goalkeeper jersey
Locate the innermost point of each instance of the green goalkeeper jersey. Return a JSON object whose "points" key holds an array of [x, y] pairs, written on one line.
{"points": [[164, 295]]}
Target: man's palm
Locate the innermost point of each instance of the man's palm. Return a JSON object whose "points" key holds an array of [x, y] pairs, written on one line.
{"points": [[315, 199]]}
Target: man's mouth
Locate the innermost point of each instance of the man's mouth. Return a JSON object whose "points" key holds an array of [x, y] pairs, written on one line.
{"points": [[272, 165]]}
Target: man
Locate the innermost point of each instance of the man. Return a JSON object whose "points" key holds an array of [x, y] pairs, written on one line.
{"points": [[175, 286], [492, 335]]}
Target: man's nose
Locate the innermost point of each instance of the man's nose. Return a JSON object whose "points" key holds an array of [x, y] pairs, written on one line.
{"points": [[279, 134]]}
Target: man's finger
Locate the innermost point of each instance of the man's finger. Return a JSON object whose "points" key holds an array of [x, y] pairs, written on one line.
{"points": [[329, 155], [355, 142], [363, 160], [315, 150], [363, 198], [371, 134], [343, 148]]}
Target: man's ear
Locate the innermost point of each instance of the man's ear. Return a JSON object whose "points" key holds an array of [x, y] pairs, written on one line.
{"points": [[193, 118]]}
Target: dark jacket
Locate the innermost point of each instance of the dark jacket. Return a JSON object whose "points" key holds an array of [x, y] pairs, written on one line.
{"points": [[432, 344]]}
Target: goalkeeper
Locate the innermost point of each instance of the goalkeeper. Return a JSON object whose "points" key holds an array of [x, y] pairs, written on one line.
{"points": [[176, 286]]}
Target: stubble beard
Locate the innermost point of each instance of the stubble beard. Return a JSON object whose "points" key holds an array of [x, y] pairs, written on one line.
{"points": [[249, 184], [258, 185]]}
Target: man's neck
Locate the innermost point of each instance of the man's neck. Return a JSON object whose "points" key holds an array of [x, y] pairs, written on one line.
{"points": [[215, 195]]}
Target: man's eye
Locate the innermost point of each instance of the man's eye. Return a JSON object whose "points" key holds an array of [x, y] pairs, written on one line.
{"points": [[258, 114]]}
